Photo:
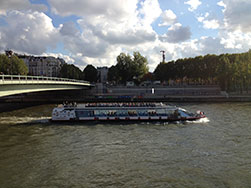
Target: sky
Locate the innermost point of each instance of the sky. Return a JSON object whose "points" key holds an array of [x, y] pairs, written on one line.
{"points": [[97, 31]]}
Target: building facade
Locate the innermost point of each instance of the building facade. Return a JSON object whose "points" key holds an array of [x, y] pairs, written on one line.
{"points": [[102, 74], [43, 66]]}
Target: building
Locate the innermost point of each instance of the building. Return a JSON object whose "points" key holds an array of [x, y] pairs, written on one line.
{"points": [[43, 66], [102, 74]]}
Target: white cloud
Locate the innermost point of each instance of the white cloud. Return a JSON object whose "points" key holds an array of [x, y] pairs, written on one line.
{"points": [[236, 40], [123, 26], [202, 17], [211, 24], [168, 18], [67, 58], [222, 4], [33, 32], [193, 4], [208, 23], [150, 11], [106, 28]]}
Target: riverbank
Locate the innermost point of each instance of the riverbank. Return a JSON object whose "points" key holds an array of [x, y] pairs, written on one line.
{"points": [[10, 105], [195, 94], [218, 98], [121, 98]]}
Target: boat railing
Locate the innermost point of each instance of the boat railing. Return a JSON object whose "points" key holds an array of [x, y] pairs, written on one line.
{"points": [[123, 105]]}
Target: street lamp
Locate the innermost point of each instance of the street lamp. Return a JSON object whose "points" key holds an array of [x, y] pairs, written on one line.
{"points": [[163, 56], [9, 53]]}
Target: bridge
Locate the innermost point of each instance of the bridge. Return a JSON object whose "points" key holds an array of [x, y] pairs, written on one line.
{"points": [[17, 84]]}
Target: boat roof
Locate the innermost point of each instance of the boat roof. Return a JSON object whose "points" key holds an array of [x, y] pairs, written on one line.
{"points": [[117, 106]]}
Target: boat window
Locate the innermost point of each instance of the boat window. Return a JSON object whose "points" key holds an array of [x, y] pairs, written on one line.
{"points": [[161, 111], [152, 112], [97, 112], [185, 114], [170, 112], [122, 112], [84, 113], [142, 112], [103, 112], [112, 113], [132, 113]]}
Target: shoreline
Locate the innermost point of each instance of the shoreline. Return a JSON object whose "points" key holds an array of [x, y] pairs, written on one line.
{"points": [[11, 105], [119, 98]]}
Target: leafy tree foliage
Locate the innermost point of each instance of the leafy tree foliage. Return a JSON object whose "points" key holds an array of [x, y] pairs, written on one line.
{"points": [[113, 74], [71, 71], [12, 65], [128, 68], [147, 77], [91, 73], [231, 71]]}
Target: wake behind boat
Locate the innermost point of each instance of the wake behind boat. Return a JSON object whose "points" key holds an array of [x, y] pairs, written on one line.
{"points": [[123, 112]]}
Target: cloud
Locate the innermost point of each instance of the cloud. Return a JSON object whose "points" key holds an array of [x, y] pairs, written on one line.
{"points": [[101, 31], [67, 58], [33, 32], [150, 11], [237, 15], [85, 44], [211, 24], [109, 8], [203, 17], [176, 33], [208, 23], [105, 28], [193, 4], [222, 4], [236, 40], [69, 29], [9, 5], [168, 18]]}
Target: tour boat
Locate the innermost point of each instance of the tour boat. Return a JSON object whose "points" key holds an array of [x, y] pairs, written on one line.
{"points": [[123, 112]]}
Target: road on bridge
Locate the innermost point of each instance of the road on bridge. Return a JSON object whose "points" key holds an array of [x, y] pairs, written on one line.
{"points": [[16, 84]]}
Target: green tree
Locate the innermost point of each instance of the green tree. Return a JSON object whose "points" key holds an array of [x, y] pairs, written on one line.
{"points": [[91, 73], [160, 72], [140, 67], [147, 77], [71, 71], [12, 65], [113, 74], [231, 71], [128, 68]]}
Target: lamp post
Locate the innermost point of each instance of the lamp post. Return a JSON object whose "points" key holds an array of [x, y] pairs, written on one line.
{"points": [[9, 53], [163, 56]]}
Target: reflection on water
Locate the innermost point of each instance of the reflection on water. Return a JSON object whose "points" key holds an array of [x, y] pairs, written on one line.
{"points": [[37, 153]]}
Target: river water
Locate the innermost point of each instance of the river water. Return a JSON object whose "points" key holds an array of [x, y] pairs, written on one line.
{"points": [[216, 153]]}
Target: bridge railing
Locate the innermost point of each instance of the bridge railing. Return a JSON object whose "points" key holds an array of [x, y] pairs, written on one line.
{"points": [[22, 78]]}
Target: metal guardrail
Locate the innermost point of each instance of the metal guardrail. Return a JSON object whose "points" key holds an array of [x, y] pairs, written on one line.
{"points": [[28, 79]]}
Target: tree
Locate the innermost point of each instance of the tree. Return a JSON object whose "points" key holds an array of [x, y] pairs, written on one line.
{"points": [[223, 72], [71, 71], [147, 77], [113, 74], [160, 72], [12, 65], [140, 67], [91, 73], [231, 71], [128, 68]]}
